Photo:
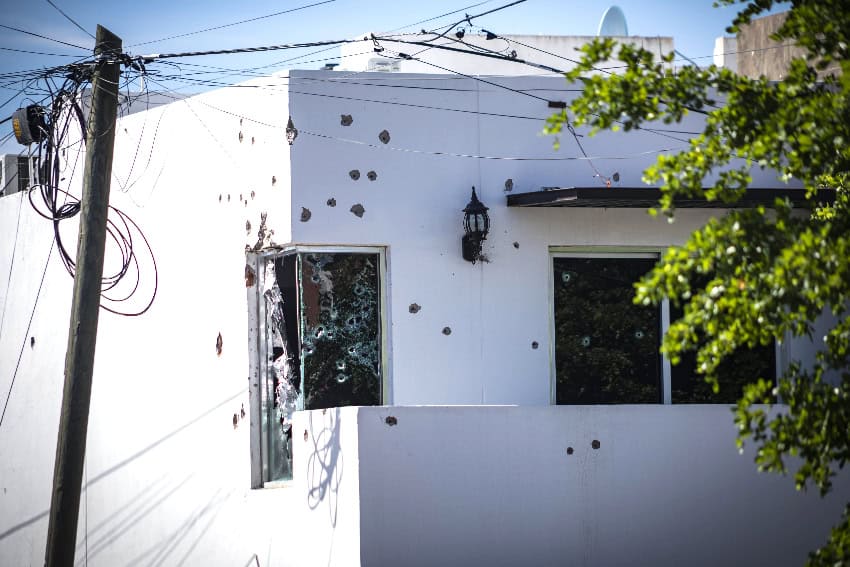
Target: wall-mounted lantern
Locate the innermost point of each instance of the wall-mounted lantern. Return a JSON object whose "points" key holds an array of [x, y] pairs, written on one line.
{"points": [[476, 225]]}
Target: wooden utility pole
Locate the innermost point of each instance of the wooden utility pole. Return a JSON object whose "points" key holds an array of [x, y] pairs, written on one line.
{"points": [[79, 360]]}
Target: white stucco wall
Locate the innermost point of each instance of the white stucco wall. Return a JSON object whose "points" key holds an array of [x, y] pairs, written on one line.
{"points": [[425, 172], [553, 51], [168, 475], [497, 486]]}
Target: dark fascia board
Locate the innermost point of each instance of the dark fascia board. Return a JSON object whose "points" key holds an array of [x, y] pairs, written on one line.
{"points": [[647, 197]]}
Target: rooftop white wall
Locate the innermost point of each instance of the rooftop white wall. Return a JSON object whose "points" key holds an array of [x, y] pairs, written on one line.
{"points": [[553, 51]]}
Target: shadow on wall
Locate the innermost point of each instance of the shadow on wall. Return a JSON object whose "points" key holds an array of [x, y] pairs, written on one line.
{"points": [[146, 501], [324, 467]]}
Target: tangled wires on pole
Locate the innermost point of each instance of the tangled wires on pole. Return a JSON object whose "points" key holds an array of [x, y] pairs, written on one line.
{"points": [[122, 281]]}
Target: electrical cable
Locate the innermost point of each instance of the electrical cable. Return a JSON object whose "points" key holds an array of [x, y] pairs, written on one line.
{"points": [[66, 109], [43, 37], [440, 16], [14, 253], [70, 19], [233, 23], [38, 52], [26, 334], [469, 18], [584, 157], [156, 56]]}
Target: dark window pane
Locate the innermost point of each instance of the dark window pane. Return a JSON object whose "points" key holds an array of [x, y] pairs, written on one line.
{"points": [[742, 367], [606, 347], [340, 329]]}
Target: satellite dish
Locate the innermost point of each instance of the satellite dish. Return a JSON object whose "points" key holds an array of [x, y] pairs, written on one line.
{"points": [[613, 22]]}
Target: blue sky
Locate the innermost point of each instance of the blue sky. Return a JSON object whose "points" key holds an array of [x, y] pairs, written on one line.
{"points": [[693, 24]]}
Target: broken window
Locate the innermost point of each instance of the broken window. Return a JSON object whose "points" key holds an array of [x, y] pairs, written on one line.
{"points": [[319, 342]]}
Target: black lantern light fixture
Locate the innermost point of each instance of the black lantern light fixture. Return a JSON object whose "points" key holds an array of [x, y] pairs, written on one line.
{"points": [[476, 225]]}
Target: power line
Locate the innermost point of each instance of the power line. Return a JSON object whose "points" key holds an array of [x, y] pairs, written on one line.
{"points": [[440, 16], [26, 333], [38, 52], [43, 37], [584, 157], [70, 19], [233, 23], [156, 56]]}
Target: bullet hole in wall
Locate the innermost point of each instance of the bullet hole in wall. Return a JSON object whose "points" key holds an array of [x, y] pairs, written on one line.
{"points": [[354, 174], [447, 331], [305, 214], [509, 185], [414, 308], [595, 444], [372, 175], [219, 344], [331, 202], [391, 420], [358, 210], [535, 345], [384, 137], [516, 244], [250, 276], [570, 451], [345, 119]]}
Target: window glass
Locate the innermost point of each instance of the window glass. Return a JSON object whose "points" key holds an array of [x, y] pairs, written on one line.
{"points": [[340, 329], [744, 366], [606, 347]]}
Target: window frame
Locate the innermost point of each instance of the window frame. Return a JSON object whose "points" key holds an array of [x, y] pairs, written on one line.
{"points": [[615, 252], [258, 356]]}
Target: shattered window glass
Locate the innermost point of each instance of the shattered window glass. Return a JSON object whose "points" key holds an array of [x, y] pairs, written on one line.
{"points": [[606, 347], [282, 386], [340, 329]]}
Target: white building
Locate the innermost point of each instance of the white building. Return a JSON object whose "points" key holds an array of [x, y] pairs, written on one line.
{"points": [[338, 259]]}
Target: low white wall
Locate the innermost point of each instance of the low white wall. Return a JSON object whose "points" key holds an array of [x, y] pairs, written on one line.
{"points": [[493, 485]]}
